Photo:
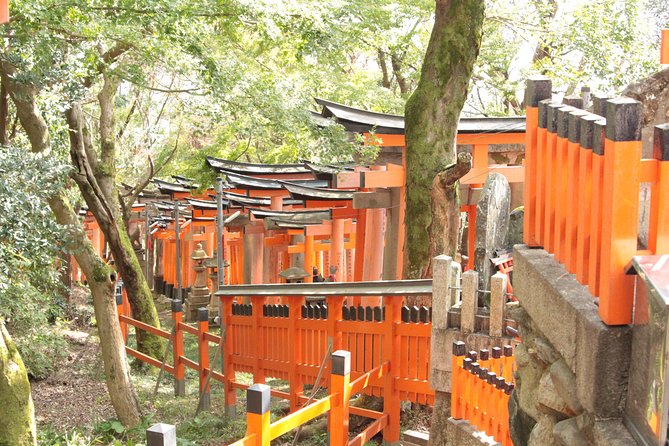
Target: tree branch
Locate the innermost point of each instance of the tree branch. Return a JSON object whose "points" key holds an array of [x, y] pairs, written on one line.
{"points": [[452, 173]]}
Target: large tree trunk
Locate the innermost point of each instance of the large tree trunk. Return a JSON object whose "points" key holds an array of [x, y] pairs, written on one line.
{"points": [[432, 113], [17, 423], [101, 277], [96, 180]]}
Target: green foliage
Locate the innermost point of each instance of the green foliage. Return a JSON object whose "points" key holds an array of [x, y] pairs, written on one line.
{"points": [[30, 240]]}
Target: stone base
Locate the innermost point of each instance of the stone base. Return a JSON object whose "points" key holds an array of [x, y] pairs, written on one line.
{"points": [[572, 369], [461, 433]]}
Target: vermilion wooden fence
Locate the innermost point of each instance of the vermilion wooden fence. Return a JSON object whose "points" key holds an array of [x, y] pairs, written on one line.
{"points": [[291, 342], [583, 178]]}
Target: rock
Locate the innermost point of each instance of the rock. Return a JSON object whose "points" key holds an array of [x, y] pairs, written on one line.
{"points": [[492, 224], [529, 374], [520, 423], [76, 337], [549, 401], [514, 235], [542, 434], [545, 351], [565, 384], [572, 431]]}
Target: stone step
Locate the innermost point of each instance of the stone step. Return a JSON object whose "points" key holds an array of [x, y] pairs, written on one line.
{"points": [[415, 438]]}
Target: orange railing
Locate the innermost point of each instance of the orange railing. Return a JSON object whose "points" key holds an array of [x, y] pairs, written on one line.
{"points": [[260, 432], [481, 384], [583, 179], [291, 341]]}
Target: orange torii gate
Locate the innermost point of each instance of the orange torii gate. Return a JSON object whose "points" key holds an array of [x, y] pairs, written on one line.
{"points": [[388, 133]]}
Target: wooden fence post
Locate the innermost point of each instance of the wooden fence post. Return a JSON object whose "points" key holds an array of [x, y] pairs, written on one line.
{"points": [[542, 169], [120, 309], [538, 89], [470, 299], [497, 304], [203, 351], [585, 206], [457, 385], [622, 166], [340, 378], [575, 186], [391, 353], [664, 47], [551, 176], [562, 182], [598, 150], [161, 434], [658, 230], [228, 350], [258, 414], [257, 339], [178, 349], [295, 351]]}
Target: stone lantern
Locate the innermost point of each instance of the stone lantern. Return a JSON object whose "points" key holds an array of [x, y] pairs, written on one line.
{"points": [[294, 274], [211, 264], [199, 296]]}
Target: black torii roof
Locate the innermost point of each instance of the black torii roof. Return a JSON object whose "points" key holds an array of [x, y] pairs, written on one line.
{"points": [[302, 192], [246, 182], [225, 166], [358, 120]]}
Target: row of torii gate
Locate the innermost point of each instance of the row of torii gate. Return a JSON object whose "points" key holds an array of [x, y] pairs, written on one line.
{"points": [[300, 222]]}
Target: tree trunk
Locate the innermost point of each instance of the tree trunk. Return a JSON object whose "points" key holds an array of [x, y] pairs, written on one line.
{"points": [[432, 113], [96, 180], [17, 423], [101, 277], [102, 282], [396, 62]]}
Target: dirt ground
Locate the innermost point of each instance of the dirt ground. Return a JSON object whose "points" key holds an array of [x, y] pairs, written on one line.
{"points": [[75, 395]]}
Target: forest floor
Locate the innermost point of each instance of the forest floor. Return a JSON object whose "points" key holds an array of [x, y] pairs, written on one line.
{"points": [[72, 407]]}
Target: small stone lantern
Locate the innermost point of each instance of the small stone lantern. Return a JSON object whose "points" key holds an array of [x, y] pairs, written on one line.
{"points": [[199, 295]]}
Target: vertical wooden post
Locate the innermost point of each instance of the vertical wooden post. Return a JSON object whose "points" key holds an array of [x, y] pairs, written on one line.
{"points": [[203, 356], [227, 337], [457, 409], [295, 344], [178, 349], [658, 229], [340, 378], [258, 414], [622, 162], [542, 170], [470, 299], [391, 354], [360, 228], [538, 89], [575, 185], [257, 339], [337, 249], [585, 204], [178, 254], [308, 257], [598, 150], [120, 309], [551, 176], [562, 184], [497, 304], [664, 47], [161, 435]]}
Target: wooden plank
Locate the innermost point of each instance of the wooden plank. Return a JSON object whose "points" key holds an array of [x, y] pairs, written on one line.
{"points": [[372, 200]]}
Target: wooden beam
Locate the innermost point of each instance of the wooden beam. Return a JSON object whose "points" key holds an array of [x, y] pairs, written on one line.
{"points": [[372, 200]]}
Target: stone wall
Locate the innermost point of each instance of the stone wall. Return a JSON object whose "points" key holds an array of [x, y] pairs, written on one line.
{"points": [[571, 380]]}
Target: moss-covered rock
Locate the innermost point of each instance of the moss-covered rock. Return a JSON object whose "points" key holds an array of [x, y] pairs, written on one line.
{"points": [[17, 423]]}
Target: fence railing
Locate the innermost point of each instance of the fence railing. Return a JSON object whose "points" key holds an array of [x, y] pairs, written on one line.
{"points": [[388, 346], [481, 384], [583, 179]]}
